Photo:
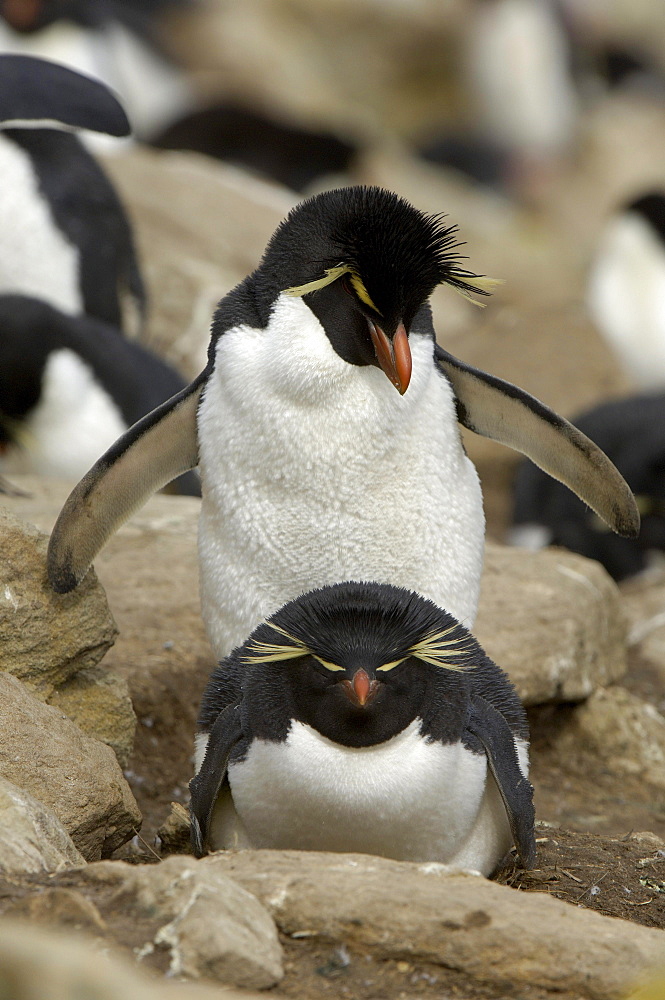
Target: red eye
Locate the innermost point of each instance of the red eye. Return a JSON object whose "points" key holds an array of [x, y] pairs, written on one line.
{"points": [[346, 285]]}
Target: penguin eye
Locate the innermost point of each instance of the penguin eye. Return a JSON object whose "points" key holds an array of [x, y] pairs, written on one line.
{"points": [[327, 664], [393, 664]]}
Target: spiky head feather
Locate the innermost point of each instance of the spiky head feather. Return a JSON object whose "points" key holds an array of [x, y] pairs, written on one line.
{"points": [[398, 253]]}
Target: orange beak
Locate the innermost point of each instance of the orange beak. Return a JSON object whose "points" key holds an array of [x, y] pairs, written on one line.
{"points": [[361, 689], [395, 358]]}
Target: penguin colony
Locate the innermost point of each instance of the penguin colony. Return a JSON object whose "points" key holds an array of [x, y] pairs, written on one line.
{"points": [[70, 382], [325, 430]]}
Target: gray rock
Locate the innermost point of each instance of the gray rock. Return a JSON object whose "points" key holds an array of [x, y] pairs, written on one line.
{"points": [[58, 907], [211, 927], [46, 754], [623, 731], [98, 701], [32, 838], [490, 932], [553, 621], [41, 964], [45, 637]]}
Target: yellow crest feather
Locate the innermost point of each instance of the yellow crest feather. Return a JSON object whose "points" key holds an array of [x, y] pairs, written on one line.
{"points": [[331, 274]]}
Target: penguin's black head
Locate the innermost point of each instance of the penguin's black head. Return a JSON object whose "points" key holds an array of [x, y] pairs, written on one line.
{"points": [[365, 262], [356, 661], [651, 207]]}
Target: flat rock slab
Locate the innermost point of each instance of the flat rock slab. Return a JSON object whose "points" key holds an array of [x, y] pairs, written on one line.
{"points": [[207, 924], [45, 638], [553, 621], [463, 922], [32, 838], [43, 752], [41, 964]]}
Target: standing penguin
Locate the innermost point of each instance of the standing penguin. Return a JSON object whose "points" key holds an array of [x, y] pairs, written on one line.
{"points": [[64, 235], [626, 290], [361, 717], [69, 386], [325, 428]]}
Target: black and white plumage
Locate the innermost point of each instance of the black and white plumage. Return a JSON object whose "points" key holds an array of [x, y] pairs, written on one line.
{"points": [[325, 428], [631, 432], [69, 387], [64, 235], [626, 288], [361, 717]]}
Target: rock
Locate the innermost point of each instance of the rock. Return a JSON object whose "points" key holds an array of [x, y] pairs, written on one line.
{"points": [[174, 831], [149, 570], [40, 964], [201, 227], [211, 927], [98, 701], [492, 933], [626, 733], [59, 908], [45, 638], [366, 66], [32, 838], [553, 621], [45, 753]]}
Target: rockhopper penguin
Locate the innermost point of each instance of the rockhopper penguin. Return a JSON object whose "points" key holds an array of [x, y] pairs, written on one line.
{"points": [[361, 717], [64, 235], [626, 289], [69, 386], [325, 428]]}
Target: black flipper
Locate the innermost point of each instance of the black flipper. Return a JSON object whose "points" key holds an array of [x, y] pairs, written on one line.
{"points": [[45, 93], [503, 412], [159, 447], [491, 729], [206, 785]]}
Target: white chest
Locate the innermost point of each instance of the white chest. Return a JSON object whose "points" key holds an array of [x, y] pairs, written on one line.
{"points": [[317, 471], [35, 257], [627, 297], [74, 422], [405, 799]]}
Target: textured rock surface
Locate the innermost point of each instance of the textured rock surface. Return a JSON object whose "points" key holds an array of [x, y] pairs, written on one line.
{"points": [[39, 964], [553, 621], [210, 926], [45, 638], [463, 922], [625, 732], [98, 701], [45, 753], [201, 228], [32, 838]]}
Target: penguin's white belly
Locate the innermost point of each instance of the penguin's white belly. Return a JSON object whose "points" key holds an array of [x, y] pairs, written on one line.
{"points": [[334, 477], [405, 798], [35, 256], [627, 297], [71, 426]]}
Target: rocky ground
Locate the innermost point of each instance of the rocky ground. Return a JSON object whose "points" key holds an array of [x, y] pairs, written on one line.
{"points": [[96, 734]]}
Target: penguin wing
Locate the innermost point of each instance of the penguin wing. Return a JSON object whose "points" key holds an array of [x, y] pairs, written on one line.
{"points": [[491, 729], [505, 413], [159, 447], [42, 92], [206, 785]]}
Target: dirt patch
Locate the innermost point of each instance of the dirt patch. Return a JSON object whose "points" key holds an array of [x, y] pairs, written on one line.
{"points": [[617, 877]]}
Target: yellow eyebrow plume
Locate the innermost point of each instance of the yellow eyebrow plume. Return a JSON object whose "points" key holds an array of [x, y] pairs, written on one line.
{"points": [[331, 274]]}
